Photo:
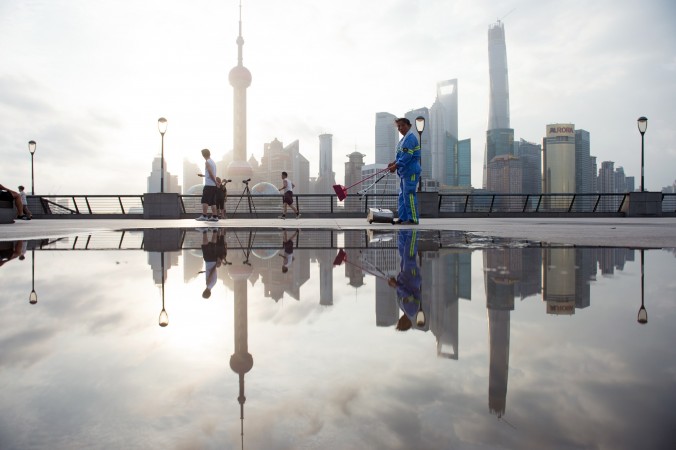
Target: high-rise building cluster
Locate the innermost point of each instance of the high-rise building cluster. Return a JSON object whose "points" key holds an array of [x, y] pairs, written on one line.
{"points": [[562, 163]]}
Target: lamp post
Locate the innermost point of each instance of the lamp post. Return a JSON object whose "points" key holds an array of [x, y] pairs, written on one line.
{"points": [[33, 296], [162, 127], [642, 126], [164, 317], [31, 148], [420, 126], [642, 313]]}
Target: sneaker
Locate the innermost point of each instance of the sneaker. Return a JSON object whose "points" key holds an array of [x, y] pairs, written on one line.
{"points": [[298, 216], [24, 217], [281, 217], [213, 219], [202, 218]]}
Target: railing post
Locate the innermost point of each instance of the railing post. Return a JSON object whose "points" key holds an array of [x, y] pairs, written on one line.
{"points": [[119, 198], [537, 208], [598, 199], [624, 197], [466, 202], [525, 204], [570, 208], [77, 209], [490, 210]]}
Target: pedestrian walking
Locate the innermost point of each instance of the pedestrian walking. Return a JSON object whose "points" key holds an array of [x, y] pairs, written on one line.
{"points": [[287, 198]]}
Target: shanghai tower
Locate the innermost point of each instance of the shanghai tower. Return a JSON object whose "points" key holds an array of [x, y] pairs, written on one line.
{"points": [[499, 136]]}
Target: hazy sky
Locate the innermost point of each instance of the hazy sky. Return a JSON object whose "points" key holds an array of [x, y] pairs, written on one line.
{"points": [[88, 80]]}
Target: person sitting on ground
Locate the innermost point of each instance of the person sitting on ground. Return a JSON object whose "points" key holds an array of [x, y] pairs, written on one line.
{"points": [[24, 200], [13, 195]]}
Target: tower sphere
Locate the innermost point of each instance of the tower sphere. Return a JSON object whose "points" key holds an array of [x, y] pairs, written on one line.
{"points": [[240, 77]]}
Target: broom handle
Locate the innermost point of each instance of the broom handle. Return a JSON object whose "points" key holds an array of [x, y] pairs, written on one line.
{"points": [[370, 176]]}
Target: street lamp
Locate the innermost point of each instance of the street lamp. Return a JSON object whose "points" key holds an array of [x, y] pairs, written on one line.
{"points": [[420, 126], [642, 126], [31, 148], [642, 313], [162, 127]]}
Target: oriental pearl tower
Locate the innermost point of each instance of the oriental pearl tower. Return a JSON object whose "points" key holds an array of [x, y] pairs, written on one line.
{"points": [[240, 79]]}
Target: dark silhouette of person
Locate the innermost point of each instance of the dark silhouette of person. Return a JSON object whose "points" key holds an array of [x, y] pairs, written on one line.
{"points": [[287, 244], [11, 250]]}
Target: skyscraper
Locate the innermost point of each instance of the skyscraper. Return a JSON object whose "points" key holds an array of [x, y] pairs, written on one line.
{"points": [[387, 137], [583, 163], [327, 178], [499, 135], [559, 159], [443, 131], [498, 106], [530, 155]]}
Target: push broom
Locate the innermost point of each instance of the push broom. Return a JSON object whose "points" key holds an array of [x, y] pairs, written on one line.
{"points": [[341, 191]]}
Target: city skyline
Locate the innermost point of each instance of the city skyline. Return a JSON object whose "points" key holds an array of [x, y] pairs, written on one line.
{"points": [[88, 82]]}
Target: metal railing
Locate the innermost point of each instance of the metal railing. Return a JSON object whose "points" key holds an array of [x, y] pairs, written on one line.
{"points": [[327, 205]]}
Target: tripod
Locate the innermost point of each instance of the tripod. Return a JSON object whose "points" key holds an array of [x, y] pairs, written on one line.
{"points": [[247, 192]]}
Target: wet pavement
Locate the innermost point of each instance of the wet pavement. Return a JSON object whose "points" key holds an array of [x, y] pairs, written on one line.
{"points": [[649, 232]]}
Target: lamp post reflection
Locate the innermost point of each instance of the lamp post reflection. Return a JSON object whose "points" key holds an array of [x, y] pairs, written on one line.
{"points": [[164, 317], [642, 313], [33, 297]]}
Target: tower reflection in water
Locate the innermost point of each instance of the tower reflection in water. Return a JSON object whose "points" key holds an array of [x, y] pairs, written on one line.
{"points": [[561, 276]]}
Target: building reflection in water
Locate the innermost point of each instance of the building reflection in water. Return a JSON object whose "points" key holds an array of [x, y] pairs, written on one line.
{"points": [[241, 361], [561, 275]]}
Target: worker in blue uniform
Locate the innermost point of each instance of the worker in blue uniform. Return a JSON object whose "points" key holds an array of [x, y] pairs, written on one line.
{"points": [[407, 166]]}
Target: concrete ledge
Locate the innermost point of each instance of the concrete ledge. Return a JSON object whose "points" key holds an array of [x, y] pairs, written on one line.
{"points": [[428, 203], [7, 211], [644, 204], [165, 205]]}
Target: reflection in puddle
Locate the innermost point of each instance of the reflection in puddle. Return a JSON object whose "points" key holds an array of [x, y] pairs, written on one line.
{"points": [[343, 351]]}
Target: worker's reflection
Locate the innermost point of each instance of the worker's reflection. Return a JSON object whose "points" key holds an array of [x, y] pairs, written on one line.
{"points": [[408, 283]]}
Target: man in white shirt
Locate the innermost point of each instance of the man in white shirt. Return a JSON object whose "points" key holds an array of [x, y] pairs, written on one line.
{"points": [[210, 188]]}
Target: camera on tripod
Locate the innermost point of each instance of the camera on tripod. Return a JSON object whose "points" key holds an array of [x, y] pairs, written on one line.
{"points": [[246, 181]]}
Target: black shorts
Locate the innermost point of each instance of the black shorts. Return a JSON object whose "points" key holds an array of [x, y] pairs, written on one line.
{"points": [[288, 198], [288, 247], [209, 252], [209, 195]]}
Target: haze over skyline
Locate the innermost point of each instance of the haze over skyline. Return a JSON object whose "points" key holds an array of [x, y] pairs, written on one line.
{"points": [[88, 80]]}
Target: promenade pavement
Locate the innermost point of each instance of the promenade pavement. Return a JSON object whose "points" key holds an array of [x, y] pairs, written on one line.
{"points": [[649, 232]]}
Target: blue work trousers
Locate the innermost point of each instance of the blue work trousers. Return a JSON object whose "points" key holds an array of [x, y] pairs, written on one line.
{"points": [[408, 200]]}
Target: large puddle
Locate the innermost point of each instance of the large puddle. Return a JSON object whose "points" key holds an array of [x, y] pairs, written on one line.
{"points": [[277, 339]]}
